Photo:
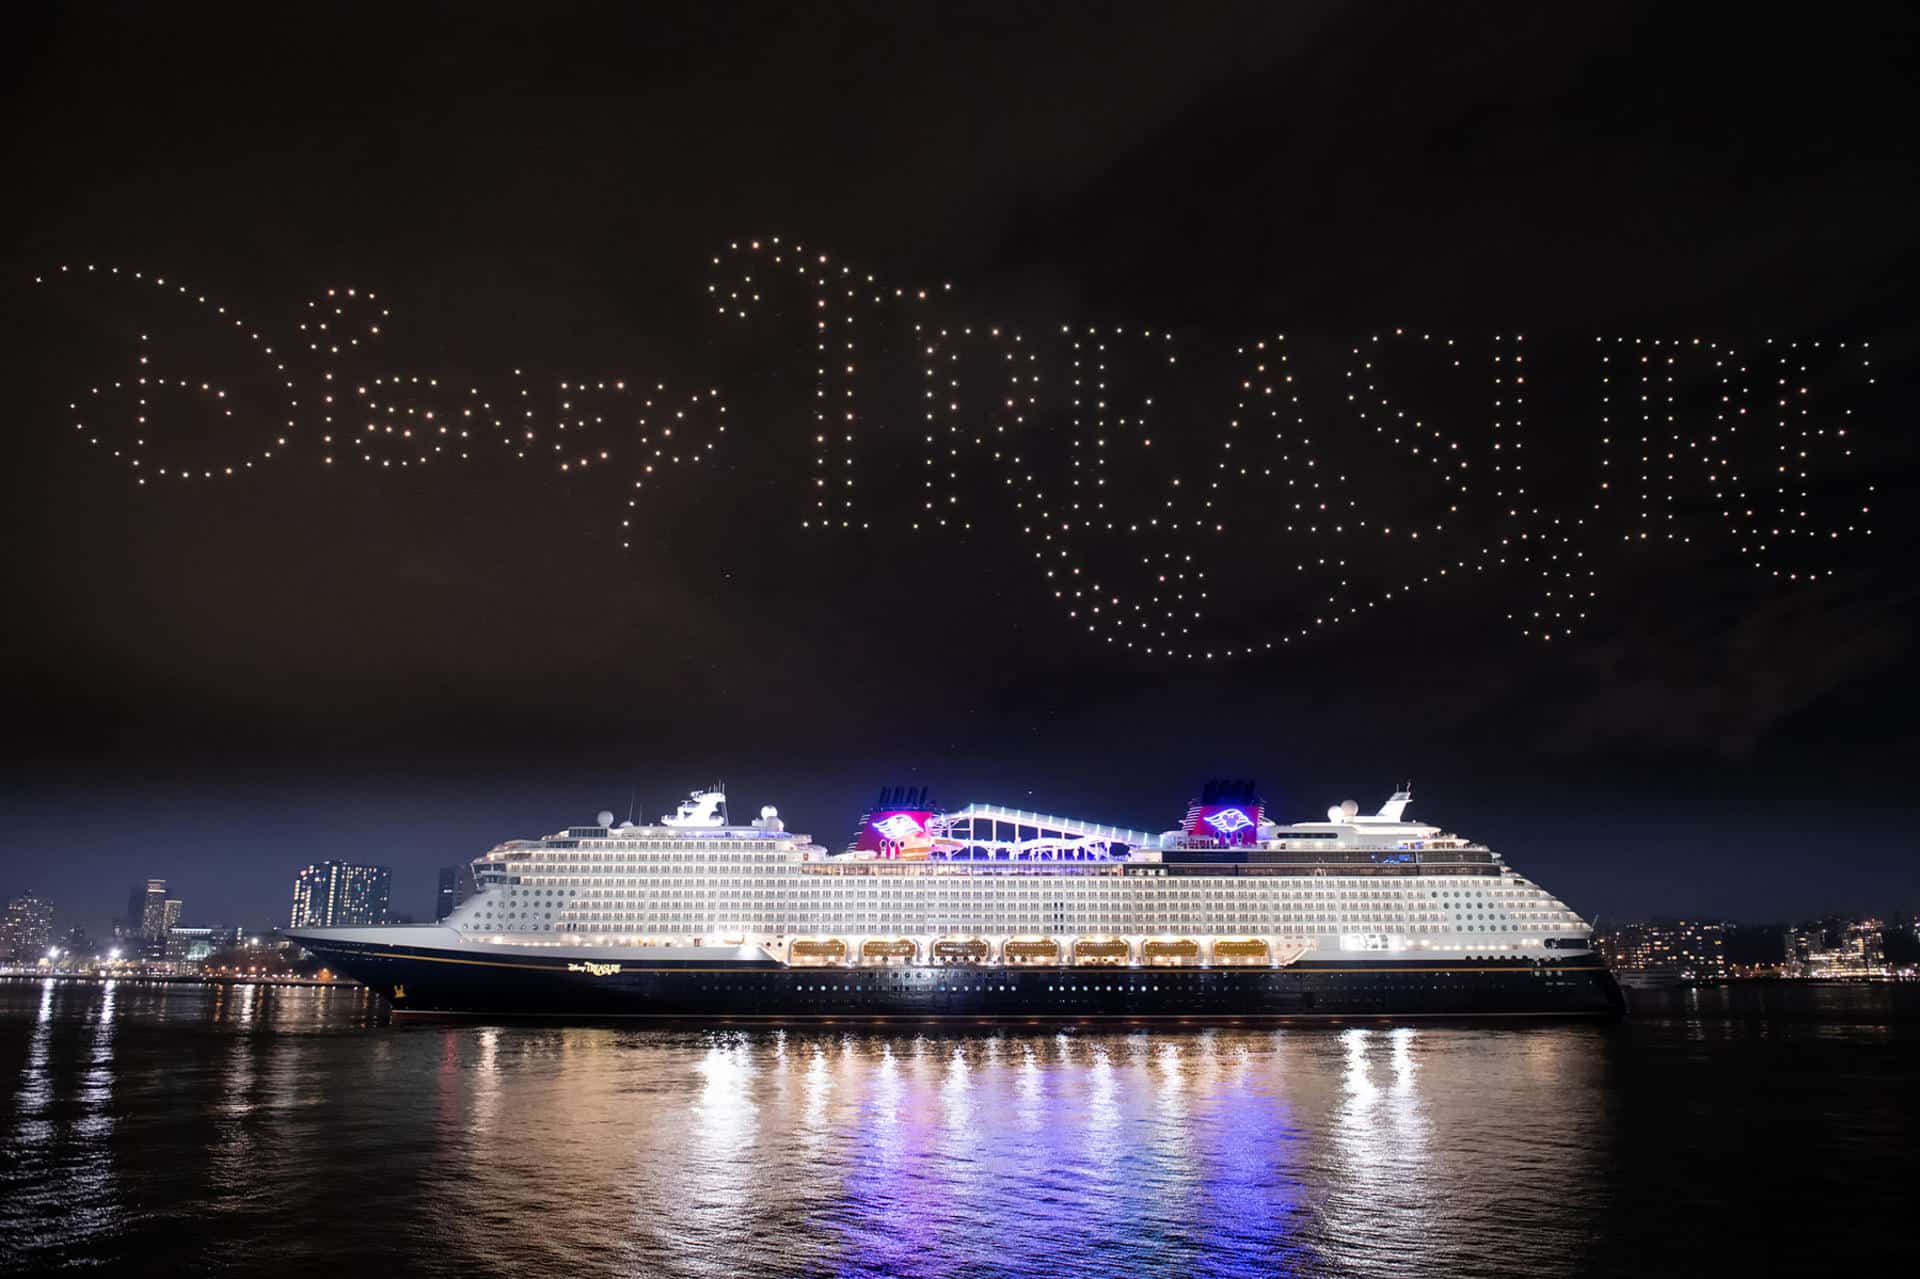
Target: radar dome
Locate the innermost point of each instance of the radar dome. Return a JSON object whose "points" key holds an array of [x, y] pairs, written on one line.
{"points": [[1348, 808], [1335, 813], [603, 819], [769, 811]]}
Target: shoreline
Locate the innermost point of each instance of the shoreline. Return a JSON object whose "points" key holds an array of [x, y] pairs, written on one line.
{"points": [[177, 979]]}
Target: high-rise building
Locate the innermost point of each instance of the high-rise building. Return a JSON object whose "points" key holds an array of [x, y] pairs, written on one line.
{"points": [[146, 907], [28, 928], [340, 894], [153, 909], [146, 922], [456, 885], [1688, 949], [159, 944]]}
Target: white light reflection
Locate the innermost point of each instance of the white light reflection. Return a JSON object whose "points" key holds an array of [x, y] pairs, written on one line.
{"points": [[486, 1088], [71, 1168], [33, 1099], [719, 1170], [817, 1090], [87, 1191], [889, 1090], [1105, 1148], [1171, 1148], [1380, 1139], [1403, 1067], [1029, 1090], [956, 1101], [1359, 1085]]}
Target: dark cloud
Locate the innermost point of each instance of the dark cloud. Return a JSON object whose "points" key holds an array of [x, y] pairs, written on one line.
{"points": [[1692, 682]]}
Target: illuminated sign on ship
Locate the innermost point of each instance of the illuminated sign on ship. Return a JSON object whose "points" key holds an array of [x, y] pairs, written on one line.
{"points": [[1228, 812], [897, 824], [900, 825], [1228, 820]]}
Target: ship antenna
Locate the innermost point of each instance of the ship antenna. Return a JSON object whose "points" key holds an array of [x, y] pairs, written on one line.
{"points": [[633, 798]]}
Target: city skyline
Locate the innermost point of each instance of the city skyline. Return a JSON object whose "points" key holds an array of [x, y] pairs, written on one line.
{"points": [[252, 891], [434, 900]]}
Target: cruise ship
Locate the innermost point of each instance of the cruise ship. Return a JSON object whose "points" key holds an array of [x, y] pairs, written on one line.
{"points": [[992, 913]]}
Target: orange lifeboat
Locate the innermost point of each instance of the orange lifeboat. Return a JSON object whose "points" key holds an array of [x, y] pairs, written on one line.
{"points": [[1102, 950], [814, 951], [1168, 951], [1242, 951], [961, 950], [1031, 950]]}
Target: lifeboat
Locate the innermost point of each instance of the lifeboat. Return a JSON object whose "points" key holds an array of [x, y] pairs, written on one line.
{"points": [[961, 950], [1102, 950], [1171, 950], [818, 950], [1031, 950], [887, 950], [1242, 951]]}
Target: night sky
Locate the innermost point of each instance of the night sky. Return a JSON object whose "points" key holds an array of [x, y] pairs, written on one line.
{"points": [[218, 681]]}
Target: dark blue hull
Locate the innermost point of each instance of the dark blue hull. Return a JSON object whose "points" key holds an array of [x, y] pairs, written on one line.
{"points": [[418, 980]]}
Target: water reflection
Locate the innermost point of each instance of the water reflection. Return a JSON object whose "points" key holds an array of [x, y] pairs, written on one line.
{"points": [[1379, 1141], [721, 1136], [33, 1097], [263, 1118]]}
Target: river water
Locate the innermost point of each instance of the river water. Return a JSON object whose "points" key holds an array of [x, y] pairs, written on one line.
{"points": [[295, 1132]]}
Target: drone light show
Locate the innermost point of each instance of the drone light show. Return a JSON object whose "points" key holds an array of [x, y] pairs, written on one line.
{"points": [[1189, 505]]}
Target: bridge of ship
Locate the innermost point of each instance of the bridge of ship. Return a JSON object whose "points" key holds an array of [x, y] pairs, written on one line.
{"points": [[988, 832]]}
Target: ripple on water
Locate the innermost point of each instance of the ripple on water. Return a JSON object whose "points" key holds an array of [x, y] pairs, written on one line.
{"points": [[292, 1132]]}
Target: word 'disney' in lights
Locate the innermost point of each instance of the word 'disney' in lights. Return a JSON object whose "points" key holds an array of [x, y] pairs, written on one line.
{"points": [[1195, 505]]}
